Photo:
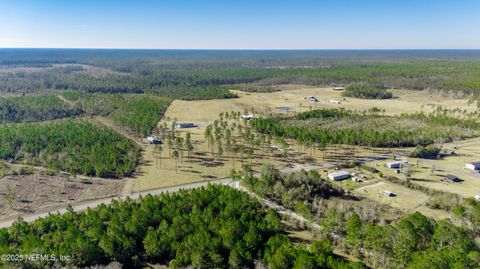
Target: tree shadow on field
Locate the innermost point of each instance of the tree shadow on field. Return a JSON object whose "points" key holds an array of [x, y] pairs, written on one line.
{"points": [[422, 180]]}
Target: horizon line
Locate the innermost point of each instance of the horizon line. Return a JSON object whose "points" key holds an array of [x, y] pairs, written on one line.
{"points": [[241, 49]]}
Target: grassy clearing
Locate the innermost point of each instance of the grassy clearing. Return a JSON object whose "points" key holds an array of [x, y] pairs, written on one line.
{"points": [[204, 112]]}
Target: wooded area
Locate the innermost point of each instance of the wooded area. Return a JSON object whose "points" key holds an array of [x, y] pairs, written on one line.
{"points": [[414, 241], [213, 227], [34, 108], [75, 146], [199, 75], [340, 126], [367, 92]]}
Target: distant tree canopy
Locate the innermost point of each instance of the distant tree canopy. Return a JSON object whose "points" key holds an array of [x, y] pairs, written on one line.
{"points": [[213, 227], [339, 126], [367, 92], [200, 75], [74, 146], [34, 108]]}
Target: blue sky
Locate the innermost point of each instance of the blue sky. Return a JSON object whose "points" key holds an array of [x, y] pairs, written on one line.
{"points": [[235, 24]]}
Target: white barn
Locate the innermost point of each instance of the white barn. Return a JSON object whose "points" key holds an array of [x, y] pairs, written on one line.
{"points": [[339, 175], [473, 166], [396, 164]]}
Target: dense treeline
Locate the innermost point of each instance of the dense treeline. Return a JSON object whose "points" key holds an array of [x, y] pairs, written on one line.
{"points": [[34, 108], [75, 146], [137, 112], [367, 92], [213, 227], [414, 242], [338, 126], [141, 113], [198, 75], [296, 190], [95, 103]]}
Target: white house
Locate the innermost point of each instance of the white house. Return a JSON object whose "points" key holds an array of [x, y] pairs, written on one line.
{"points": [[339, 88], [473, 166], [246, 117], [333, 101], [339, 175], [396, 164]]}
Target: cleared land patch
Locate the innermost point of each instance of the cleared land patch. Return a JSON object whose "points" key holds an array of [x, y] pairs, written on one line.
{"points": [[38, 191]]}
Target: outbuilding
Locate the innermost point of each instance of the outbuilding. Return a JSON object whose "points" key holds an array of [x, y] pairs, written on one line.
{"points": [[339, 88], [396, 164], [473, 166], [333, 101], [339, 175], [389, 193], [312, 99], [477, 197], [246, 117], [186, 125], [153, 140], [451, 179]]}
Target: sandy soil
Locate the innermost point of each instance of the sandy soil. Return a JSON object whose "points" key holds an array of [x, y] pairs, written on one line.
{"points": [[38, 191]]}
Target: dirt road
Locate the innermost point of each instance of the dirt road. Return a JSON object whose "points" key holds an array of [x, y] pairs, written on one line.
{"points": [[94, 203]]}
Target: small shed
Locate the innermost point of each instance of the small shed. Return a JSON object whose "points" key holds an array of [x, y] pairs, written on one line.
{"points": [[357, 179], [473, 166], [333, 101], [246, 117], [312, 99], [477, 197], [339, 175], [153, 140], [338, 88], [396, 164], [451, 179], [389, 193], [186, 125]]}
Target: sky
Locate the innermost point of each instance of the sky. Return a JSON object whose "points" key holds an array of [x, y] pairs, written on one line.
{"points": [[235, 24]]}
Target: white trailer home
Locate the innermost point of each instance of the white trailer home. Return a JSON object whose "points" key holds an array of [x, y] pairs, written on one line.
{"points": [[339, 175], [396, 164]]}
